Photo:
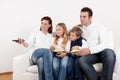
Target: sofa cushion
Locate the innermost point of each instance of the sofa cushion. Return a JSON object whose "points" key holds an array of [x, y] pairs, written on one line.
{"points": [[98, 67], [32, 69]]}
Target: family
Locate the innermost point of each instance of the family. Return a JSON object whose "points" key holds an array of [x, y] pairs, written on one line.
{"points": [[71, 54]]}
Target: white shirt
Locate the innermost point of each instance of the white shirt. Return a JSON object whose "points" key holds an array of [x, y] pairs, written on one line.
{"points": [[39, 40], [84, 44], [59, 44], [95, 36]]}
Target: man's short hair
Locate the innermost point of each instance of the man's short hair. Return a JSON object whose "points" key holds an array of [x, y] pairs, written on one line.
{"points": [[87, 9]]}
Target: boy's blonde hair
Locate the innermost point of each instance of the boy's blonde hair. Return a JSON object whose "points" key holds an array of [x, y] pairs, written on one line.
{"points": [[76, 30], [65, 35]]}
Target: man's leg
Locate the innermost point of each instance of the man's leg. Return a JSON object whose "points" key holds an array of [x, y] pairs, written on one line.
{"points": [[108, 58], [86, 65], [48, 68]]}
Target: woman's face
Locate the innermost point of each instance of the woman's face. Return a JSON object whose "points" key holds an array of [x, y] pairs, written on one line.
{"points": [[59, 31], [45, 25]]}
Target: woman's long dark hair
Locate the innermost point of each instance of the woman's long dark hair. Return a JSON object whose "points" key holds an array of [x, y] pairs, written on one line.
{"points": [[50, 22]]}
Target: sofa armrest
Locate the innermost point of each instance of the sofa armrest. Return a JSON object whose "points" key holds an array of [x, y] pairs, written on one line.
{"points": [[21, 63], [117, 64]]}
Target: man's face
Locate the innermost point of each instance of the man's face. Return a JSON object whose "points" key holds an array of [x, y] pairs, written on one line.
{"points": [[84, 18]]}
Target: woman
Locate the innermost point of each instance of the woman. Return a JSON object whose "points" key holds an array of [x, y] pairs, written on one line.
{"points": [[41, 56]]}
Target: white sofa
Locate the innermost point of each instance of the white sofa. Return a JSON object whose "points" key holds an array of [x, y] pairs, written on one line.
{"points": [[24, 70]]}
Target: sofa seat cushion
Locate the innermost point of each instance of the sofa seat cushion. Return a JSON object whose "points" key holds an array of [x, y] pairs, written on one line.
{"points": [[98, 67], [32, 69]]}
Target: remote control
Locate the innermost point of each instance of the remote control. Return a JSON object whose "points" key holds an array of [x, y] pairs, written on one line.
{"points": [[15, 40]]}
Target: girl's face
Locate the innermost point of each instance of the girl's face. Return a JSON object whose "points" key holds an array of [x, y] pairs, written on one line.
{"points": [[73, 36], [45, 25], [59, 31]]}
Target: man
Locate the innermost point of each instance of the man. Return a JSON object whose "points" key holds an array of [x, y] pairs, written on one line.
{"points": [[97, 51]]}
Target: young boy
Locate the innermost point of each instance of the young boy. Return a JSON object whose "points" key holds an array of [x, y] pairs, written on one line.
{"points": [[77, 42]]}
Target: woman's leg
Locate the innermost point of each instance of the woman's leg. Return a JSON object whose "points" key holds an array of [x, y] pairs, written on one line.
{"points": [[63, 67], [47, 61], [40, 68], [38, 60]]}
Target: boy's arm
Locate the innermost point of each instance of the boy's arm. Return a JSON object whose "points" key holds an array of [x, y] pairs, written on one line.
{"points": [[84, 44]]}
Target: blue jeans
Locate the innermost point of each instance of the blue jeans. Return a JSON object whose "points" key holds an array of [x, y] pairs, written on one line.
{"points": [[59, 67], [107, 57], [73, 68], [43, 59]]}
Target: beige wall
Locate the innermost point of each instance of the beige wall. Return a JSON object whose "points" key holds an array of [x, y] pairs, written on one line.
{"points": [[19, 17]]}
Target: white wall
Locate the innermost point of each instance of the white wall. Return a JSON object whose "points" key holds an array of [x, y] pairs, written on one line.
{"points": [[19, 17]]}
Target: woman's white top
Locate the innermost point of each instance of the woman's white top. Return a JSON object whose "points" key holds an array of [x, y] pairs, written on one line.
{"points": [[39, 40]]}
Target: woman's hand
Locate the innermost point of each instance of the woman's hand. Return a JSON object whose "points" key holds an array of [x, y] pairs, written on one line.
{"points": [[52, 48], [62, 54], [20, 41]]}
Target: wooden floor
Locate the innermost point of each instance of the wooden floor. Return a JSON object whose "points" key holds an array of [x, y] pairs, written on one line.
{"points": [[6, 76]]}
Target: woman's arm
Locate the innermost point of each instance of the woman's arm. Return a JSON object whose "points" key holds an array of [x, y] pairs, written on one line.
{"points": [[22, 41]]}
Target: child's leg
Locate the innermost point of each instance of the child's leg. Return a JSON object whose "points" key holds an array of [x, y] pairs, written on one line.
{"points": [[56, 67], [63, 67], [70, 68], [78, 72]]}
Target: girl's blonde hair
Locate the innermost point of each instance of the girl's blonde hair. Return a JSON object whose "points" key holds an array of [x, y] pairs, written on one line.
{"points": [[65, 35]]}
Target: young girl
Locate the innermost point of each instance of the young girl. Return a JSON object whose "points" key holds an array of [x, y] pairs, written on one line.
{"points": [[60, 48]]}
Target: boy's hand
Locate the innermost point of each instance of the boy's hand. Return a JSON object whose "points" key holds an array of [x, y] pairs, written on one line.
{"points": [[75, 48]]}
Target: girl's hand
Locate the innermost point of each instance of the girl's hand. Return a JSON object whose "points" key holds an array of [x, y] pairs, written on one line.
{"points": [[62, 54]]}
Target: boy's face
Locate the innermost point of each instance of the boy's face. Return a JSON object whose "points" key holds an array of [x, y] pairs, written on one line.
{"points": [[73, 36]]}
